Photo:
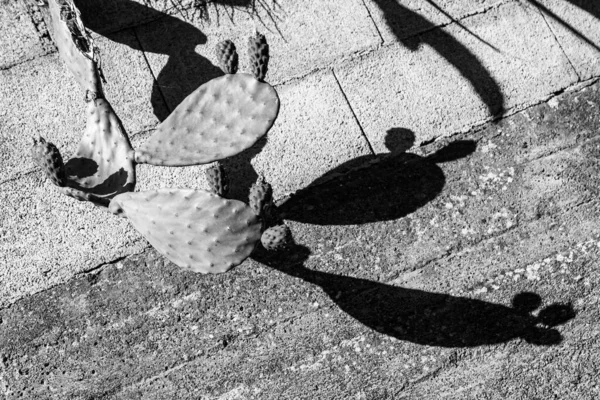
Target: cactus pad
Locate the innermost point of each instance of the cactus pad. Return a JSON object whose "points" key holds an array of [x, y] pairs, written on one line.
{"points": [[276, 238], [217, 179], [47, 157], [103, 164], [228, 57], [221, 118], [75, 45], [195, 229], [258, 51]]}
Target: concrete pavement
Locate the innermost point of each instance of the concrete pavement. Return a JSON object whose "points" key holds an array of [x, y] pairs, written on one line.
{"points": [[437, 162]]}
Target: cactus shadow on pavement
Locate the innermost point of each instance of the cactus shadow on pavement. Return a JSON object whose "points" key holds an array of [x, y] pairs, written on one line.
{"points": [[428, 318], [371, 188]]}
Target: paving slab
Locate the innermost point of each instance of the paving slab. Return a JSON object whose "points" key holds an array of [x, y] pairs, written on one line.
{"points": [[129, 83], [322, 322], [48, 237], [397, 20], [56, 112], [302, 37], [447, 81], [576, 25], [19, 38], [314, 133]]}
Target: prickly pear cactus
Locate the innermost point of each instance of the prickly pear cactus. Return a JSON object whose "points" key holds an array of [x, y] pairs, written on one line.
{"points": [[47, 157], [195, 229], [221, 118], [228, 57], [218, 180], [261, 196], [276, 238], [75, 44], [258, 51]]}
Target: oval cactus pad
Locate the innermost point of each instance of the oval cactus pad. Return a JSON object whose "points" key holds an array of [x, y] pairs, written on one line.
{"points": [[195, 229], [221, 118], [75, 45], [103, 164]]}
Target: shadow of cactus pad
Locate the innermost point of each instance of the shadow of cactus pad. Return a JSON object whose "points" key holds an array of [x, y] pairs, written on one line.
{"points": [[220, 119], [75, 45], [195, 229], [103, 164]]}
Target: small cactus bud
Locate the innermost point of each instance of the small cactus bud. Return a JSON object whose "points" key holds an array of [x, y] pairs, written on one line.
{"points": [[276, 238], [227, 56], [261, 195], [217, 179], [258, 51], [48, 158]]}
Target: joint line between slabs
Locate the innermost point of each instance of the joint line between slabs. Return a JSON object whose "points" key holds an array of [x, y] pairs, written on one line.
{"points": [[362, 131], [162, 96], [539, 9]]}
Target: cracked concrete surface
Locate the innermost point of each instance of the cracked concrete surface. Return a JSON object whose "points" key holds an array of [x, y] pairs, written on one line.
{"points": [[440, 176]]}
